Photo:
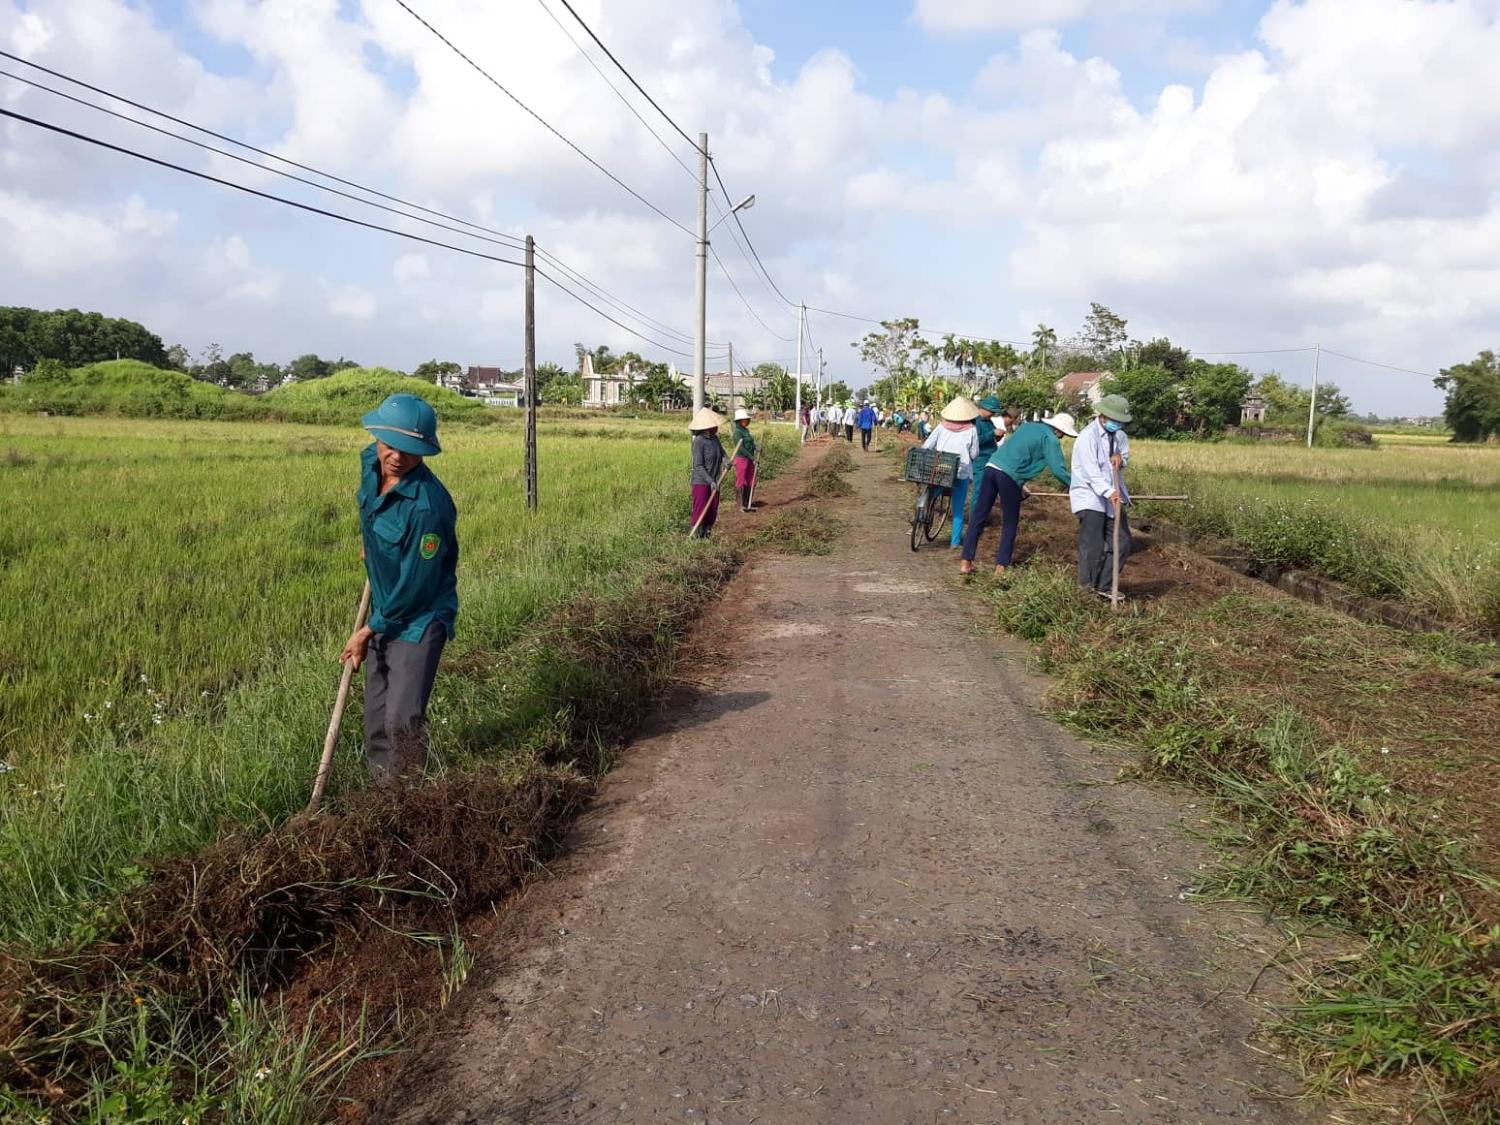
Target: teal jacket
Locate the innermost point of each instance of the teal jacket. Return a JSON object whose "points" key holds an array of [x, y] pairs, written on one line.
{"points": [[1033, 447], [740, 435], [988, 442], [411, 551]]}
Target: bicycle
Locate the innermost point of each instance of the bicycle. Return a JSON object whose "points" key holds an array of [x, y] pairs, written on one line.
{"points": [[935, 472]]}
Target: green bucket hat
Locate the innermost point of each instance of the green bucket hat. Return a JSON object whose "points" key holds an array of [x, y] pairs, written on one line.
{"points": [[1113, 406], [405, 422], [990, 403]]}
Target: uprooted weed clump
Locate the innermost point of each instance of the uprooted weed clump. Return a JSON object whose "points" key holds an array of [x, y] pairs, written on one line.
{"points": [[244, 916], [1279, 711], [826, 479], [798, 531]]}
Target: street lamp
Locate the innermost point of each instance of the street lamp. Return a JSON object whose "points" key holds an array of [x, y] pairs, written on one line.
{"points": [[743, 205]]}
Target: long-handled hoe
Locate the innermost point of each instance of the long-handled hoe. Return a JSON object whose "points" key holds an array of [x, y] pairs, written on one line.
{"points": [[325, 764], [692, 531]]}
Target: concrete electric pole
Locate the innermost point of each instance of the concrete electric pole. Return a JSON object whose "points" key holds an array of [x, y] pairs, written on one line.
{"points": [[701, 321]]}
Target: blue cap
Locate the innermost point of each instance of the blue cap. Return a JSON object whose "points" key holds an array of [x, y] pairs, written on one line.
{"points": [[405, 422]]}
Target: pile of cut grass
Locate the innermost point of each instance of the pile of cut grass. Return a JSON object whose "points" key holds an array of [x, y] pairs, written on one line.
{"points": [[826, 480], [806, 530], [1313, 828]]}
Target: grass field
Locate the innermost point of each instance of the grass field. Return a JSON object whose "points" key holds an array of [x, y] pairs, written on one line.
{"points": [[1413, 518], [174, 596]]}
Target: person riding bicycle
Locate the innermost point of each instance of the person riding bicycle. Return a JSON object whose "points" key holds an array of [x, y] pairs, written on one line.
{"points": [[956, 434]]}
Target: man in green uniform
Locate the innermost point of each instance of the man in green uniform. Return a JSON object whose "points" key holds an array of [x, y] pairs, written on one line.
{"points": [[984, 426], [410, 549]]}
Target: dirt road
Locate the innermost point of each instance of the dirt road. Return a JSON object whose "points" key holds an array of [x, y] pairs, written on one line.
{"points": [[858, 879]]}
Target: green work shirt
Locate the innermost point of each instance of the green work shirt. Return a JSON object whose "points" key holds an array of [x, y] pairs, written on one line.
{"points": [[741, 435], [411, 551], [1033, 447], [988, 442]]}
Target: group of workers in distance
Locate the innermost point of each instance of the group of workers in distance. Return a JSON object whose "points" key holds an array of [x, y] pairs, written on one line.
{"points": [[996, 462], [836, 419]]}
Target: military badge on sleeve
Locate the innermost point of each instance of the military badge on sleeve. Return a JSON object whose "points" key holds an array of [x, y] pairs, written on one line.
{"points": [[430, 544]]}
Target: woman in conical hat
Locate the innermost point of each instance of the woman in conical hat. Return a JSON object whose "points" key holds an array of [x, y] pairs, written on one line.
{"points": [[956, 434], [708, 465]]}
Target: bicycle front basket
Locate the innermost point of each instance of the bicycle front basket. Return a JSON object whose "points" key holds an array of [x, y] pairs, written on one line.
{"points": [[928, 466]]}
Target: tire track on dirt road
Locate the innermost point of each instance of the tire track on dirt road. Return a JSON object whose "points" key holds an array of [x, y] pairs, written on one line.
{"points": [[860, 880]]}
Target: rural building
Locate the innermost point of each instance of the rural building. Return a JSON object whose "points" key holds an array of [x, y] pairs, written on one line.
{"points": [[492, 384], [1253, 409], [731, 389], [1086, 385], [606, 388]]}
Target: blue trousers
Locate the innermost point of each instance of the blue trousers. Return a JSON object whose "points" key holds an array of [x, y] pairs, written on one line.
{"points": [[960, 494], [995, 485]]}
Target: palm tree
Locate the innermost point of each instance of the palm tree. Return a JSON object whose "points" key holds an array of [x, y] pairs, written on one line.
{"points": [[1044, 340]]}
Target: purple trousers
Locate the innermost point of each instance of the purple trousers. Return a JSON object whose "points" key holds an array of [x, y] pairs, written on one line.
{"points": [[704, 496]]}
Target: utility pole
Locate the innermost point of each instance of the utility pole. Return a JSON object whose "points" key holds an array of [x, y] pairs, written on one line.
{"points": [[702, 279], [530, 376], [797, 408], [1312, 407], [731, 376], [820, 377]]}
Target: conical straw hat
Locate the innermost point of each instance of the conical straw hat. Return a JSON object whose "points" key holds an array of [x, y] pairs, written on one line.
{"points": [[706, 419], [960, 409]]}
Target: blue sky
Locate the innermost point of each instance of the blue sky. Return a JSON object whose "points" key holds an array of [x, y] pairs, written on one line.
{"points": [[1236, 174]]}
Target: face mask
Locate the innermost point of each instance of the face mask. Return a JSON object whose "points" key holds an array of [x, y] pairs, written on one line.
{"points": [[1112, 426]]}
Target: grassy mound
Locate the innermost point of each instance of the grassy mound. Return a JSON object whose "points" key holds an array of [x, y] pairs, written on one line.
{"points": [[125, 387], [342, 398], [128, 388]]}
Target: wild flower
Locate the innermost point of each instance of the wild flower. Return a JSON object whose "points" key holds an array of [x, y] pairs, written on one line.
{"points": [[262, 1073]]}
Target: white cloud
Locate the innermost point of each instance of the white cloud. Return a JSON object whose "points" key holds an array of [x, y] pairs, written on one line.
{"points": [[411, 267], [1257, 201], [353, 303], [966, 16]]}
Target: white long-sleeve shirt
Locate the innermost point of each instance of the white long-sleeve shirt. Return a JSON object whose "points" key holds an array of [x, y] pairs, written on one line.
{"points": [[1093, 475], [964, 443]]}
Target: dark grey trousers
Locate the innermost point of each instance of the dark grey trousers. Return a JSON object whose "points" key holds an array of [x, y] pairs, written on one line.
{"points": [[398, 683], [1096, 534]]}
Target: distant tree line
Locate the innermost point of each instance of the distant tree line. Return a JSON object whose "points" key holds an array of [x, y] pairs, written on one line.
{"points": [[73, 338], [1171, 392]]}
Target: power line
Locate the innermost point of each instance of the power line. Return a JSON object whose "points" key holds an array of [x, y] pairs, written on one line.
{"points": [[616, 302], [736, 216], [540, 119], [509, 241], [253, 191], [628, 75], [1387, 366], [720, 262], [620, 324], [241, 144], [618, 92], [1257, 351]]}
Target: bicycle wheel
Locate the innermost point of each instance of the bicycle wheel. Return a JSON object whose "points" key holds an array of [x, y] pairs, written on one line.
{"points": [[938, 509], [919, 518]]}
